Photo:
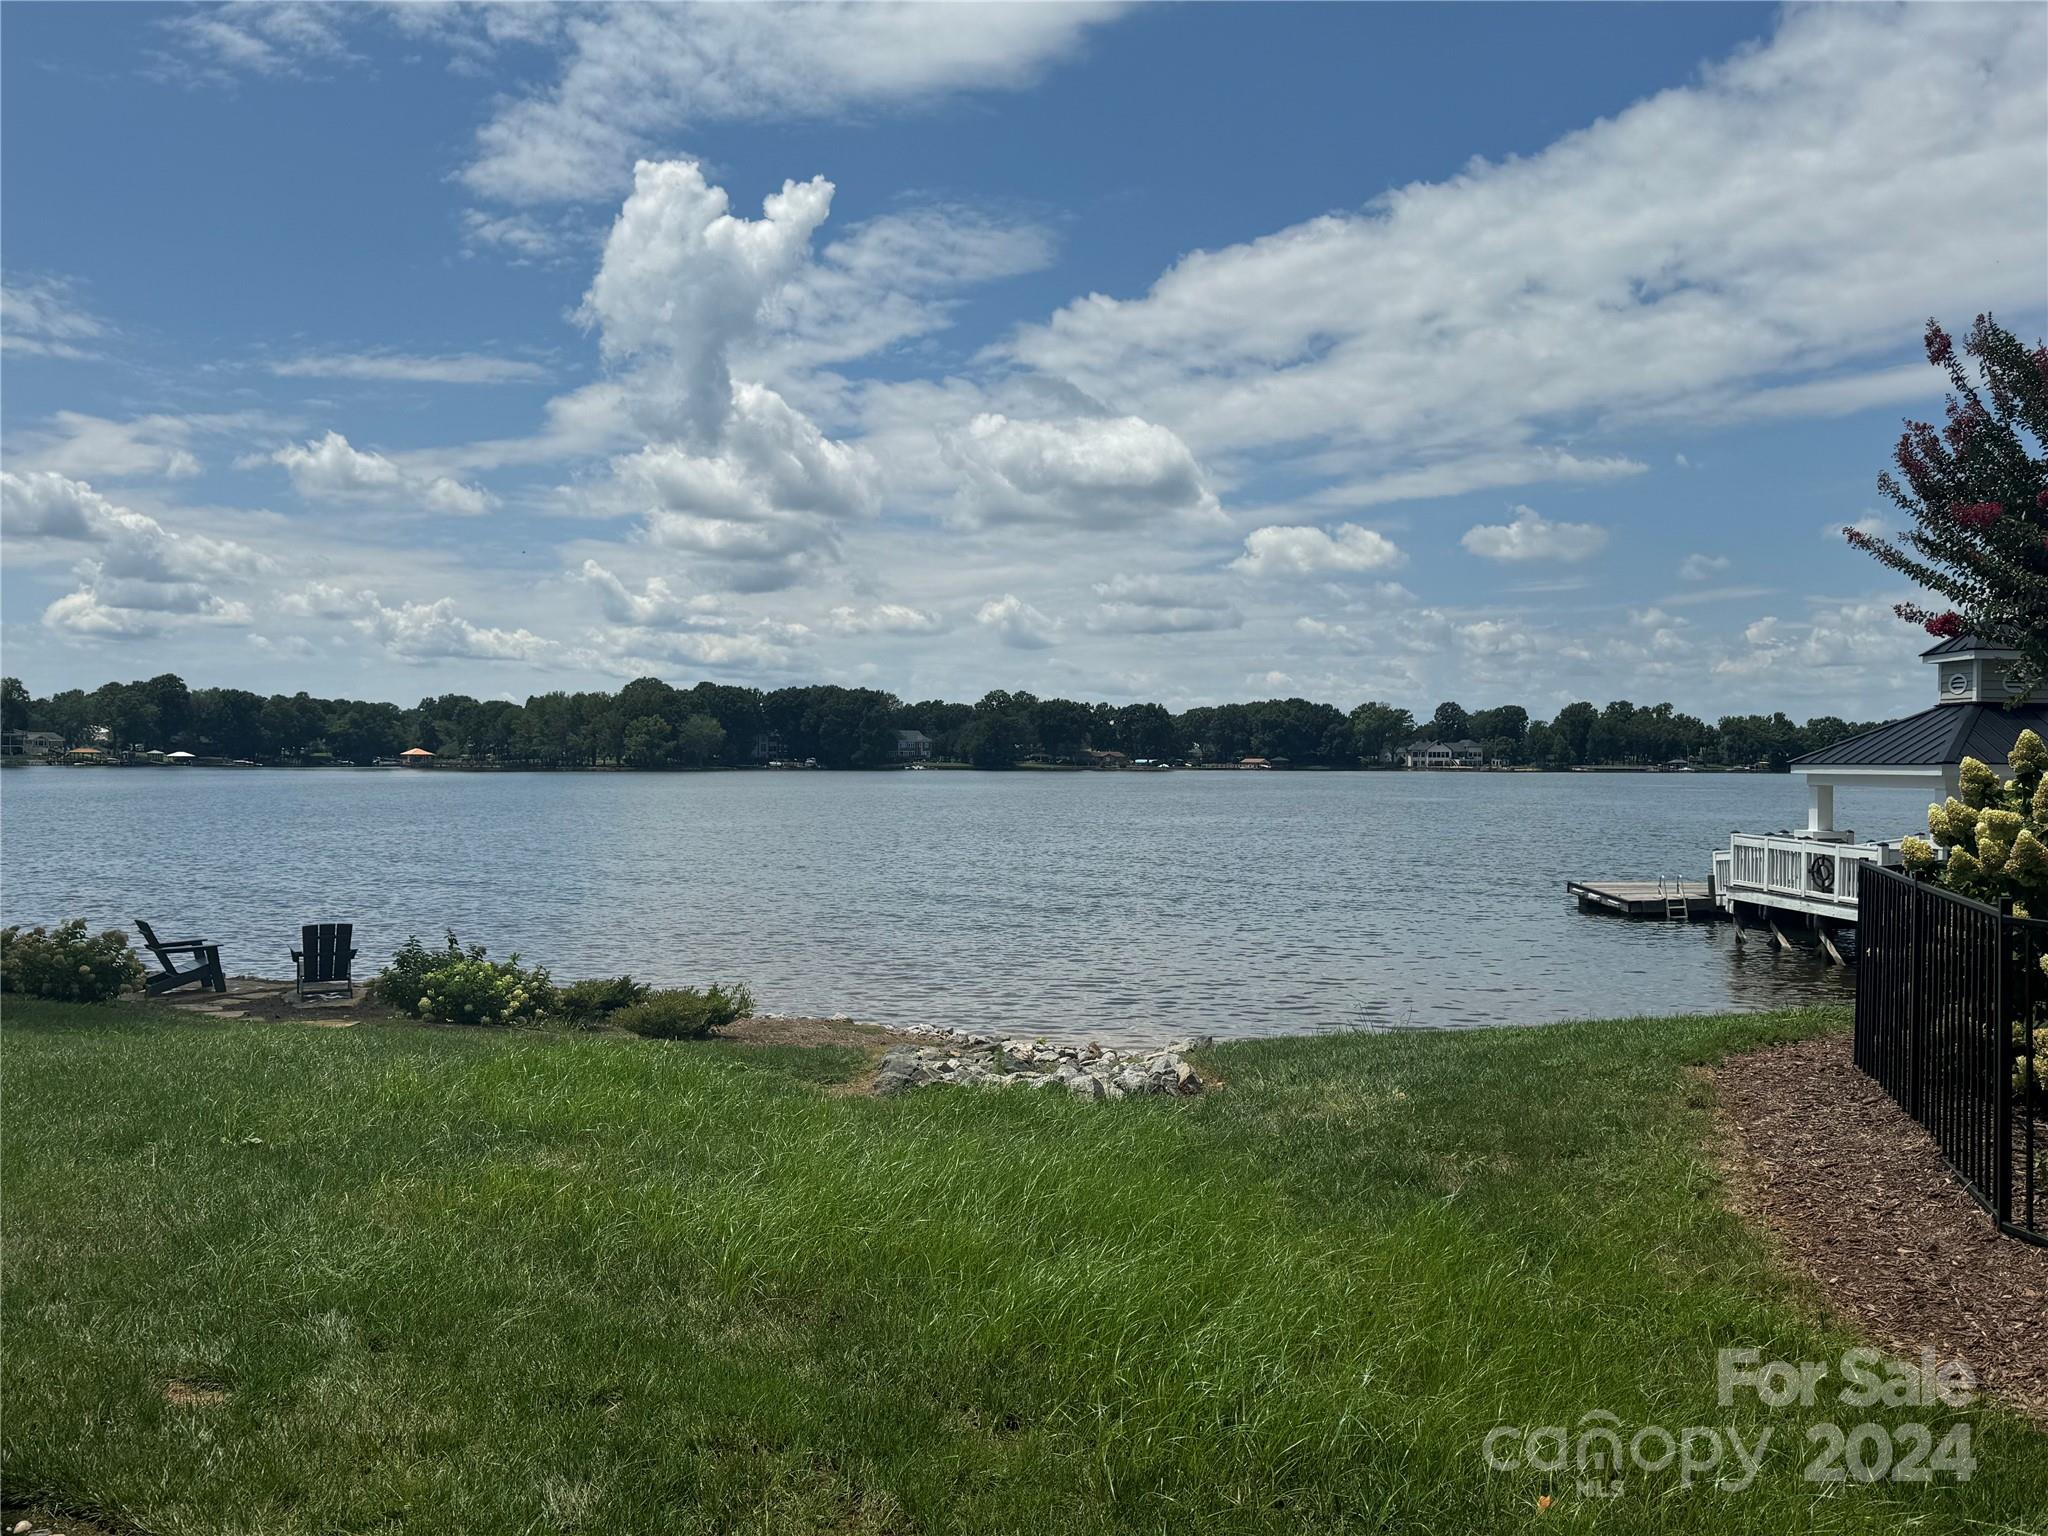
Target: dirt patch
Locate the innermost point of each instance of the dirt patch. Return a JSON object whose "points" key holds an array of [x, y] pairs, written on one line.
{"points": [[195, 1394], [1860, 1201], [763, 1029]]}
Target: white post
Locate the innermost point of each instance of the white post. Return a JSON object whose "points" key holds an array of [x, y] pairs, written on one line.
{"points": [[1820, 808]]}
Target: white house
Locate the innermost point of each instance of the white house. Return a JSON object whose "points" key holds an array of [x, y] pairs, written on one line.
{"points": [[1443, 754]]}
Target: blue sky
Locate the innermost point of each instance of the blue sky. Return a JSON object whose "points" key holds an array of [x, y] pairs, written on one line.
{"points": [[1499, 353]]}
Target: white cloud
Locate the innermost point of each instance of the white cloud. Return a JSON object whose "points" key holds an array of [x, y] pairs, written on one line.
{"points": [[405, 368], [1157, 605], [1474, 471], [435, 631], [43, 317], [1759, 230], [884, 619], [1698, 567], [1532, 537], [1017, 622], [329, 469], [682, 280], [96, 448], [1870, 525], [889, 280], [1088, 472], [135, 576], [656, 603], [283, 38], [1309, 551], [639, 73]]}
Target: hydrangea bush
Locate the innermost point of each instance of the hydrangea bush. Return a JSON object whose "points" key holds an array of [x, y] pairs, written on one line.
{"points": [[458, 985], [1995, 832], [67, 963]]}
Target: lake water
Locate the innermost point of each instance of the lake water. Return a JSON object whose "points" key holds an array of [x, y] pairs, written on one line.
{"points": [[1113, 906]]}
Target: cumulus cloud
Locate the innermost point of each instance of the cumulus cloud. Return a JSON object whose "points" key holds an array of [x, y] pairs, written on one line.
{"points": [[407, 368], [884, 619], [1531, 536], [134, 576], [44, 317], [330, 469], [655, 604], [683, 279], [1310, 551], [1698, 567], [1759, 229], [1088, 472], [1017, 623], [737, 476], [435, 631]]}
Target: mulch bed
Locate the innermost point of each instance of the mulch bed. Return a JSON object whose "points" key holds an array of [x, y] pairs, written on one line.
{"points": [[1859, 1200]]}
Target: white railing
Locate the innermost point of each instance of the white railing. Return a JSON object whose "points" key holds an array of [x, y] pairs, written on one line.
{"points": [[1799, 867]]}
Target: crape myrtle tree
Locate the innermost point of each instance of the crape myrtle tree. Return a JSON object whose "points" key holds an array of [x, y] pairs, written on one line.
{"points": [[1977, 491]]}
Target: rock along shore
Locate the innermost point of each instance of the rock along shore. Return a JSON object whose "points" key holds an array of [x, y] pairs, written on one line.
{"points": [[1086, 1071]]}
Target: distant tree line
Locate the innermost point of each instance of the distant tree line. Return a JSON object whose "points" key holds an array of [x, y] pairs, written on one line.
{"points": [[650, 724]]}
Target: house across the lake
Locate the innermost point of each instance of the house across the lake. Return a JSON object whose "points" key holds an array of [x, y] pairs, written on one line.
{"points": [[913, 747], [34, 744], [1443, 754]]}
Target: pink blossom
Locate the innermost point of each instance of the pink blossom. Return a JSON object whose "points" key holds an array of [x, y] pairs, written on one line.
{"points": [[1939, 348], [1978, 514], [1945, 626]]}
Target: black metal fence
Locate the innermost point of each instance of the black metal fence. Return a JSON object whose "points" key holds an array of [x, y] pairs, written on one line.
{"points": [[1949, 996]]}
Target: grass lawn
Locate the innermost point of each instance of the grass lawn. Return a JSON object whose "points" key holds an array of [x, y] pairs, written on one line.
{"points": [[456, 1281]]}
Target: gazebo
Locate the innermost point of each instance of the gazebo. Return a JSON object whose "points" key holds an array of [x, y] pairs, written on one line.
{"points": [[1979, 712], [415, 757]]}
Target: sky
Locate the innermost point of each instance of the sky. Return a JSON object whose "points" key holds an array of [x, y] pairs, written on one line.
{"points": [[1503, 354]]}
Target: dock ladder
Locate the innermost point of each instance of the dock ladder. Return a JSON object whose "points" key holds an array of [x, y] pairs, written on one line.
{"points": [[1676, 909]]}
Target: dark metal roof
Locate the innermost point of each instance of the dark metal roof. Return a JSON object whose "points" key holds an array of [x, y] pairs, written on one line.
{"points": [[1962, 643], [1935, 738]]}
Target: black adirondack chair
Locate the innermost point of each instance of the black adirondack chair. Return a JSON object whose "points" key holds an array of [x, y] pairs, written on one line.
{"points": [[207, 972], [323, 956]]}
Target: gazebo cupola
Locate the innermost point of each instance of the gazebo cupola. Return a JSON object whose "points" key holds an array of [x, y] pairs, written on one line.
{"points": [[1980, 712], [1972, 672]]}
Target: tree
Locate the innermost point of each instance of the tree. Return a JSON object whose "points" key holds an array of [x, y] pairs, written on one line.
{"points": [[1452, 723], [649, 742], [699, 740], [1572, 732], [1978, 492], [1377, 728], [1508, 723], [17, 709]]}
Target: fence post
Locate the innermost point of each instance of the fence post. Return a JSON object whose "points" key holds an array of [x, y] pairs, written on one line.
{"points": [[2010, 949]]}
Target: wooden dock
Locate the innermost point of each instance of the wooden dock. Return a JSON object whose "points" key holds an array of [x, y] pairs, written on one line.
{"points": [[1690, 901]]}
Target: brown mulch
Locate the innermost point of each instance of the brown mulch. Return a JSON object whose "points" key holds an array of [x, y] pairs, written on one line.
{"points": [[1860, 1201]]}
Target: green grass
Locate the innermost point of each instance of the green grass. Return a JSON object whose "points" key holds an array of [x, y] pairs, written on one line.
{"points": [[514, 1282]]}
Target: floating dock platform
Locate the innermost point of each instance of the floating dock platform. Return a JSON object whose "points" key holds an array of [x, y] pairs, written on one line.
{"points": [[1663, 901]]}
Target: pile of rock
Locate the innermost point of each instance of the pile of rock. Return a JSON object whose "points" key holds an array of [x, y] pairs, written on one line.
{"points": [[1086, 1071]]}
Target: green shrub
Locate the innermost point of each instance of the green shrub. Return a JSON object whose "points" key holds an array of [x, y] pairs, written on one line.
{"points": [[594, 1000], [684, 1013], [65, 963], [460, 986]]}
